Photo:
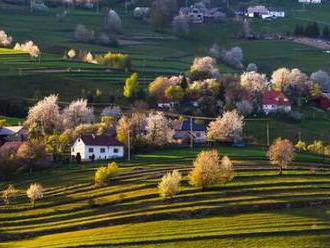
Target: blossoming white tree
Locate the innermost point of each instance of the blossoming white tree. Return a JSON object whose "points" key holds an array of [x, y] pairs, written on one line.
{"points": [[253, 81], [44, 117], [77, 113], [28, 47], [205, 64], [5, 40], [158, 129], [35, 192], [170, 184], [229, 127]]}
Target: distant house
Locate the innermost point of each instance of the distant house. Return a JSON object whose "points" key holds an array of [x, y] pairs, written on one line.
{"points": [[92, 147], [274, 101], [12, 133], [264, 13], [310, 1], [187, 130], [325, 101], [200, 14], [166, 105]]}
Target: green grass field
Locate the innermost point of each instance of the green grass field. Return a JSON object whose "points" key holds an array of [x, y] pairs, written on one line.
{"points": [[11, 121], [258, 208]]}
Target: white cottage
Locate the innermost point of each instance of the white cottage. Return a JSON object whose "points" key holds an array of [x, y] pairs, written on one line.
{"points": [[97, 147], [274, 101]]}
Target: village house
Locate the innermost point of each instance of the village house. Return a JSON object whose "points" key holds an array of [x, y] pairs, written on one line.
{"points": [[325, 101], [264, 13], [186, 130], [197, 14], [12, 133], [91, 147], [274, 101], [310, 1]]}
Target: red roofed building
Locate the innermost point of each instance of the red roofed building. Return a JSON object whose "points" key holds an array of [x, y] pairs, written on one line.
{"points": [[274, 101], [91, 147], [325, 101]]}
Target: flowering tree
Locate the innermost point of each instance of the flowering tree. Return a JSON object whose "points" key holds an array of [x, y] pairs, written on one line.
{"points": [[170, 184], [206, 66], [5, 40], [9, 194], [181, 26], [244, 107], [322, 78], [253, 82], [130, 85], [280, 77], [83, 34], [112, 22], [158, 87], [29, 47], [234, 57], [135, 126], [209, 169], [281, 153], [77, 113], [229, 127], [111, 111], [35, 192], [44, 117], [252, 67], [158, 129], [71, 54]]}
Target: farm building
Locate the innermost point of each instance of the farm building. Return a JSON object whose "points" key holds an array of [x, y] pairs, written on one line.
{"points": [[185, 130], [91, 147], [263, 12], [13, 133], [325, 101], [274, 101], [197, 14], [310, 1]]}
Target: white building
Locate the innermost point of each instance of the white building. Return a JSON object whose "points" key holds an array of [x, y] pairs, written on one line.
{"points": [[92, 147], [12, 133], [274, 101], [263, 12], [310, 1]]}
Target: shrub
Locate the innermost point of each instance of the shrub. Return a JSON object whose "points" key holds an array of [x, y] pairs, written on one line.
{"points": [[130, 85], [35, 192], [103, 174], [82, 34], [301, 146], [116, 60], [233, 57], [170, 184]]}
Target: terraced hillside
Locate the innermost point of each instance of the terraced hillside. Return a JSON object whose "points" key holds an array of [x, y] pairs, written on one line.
{"points": [[258, 209]]}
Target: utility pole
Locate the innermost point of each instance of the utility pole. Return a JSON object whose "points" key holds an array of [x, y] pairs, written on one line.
{"points": [[268, 138], [129, 145], [191, 133], [299, 135]]}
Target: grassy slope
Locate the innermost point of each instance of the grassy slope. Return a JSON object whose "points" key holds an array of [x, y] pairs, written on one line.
{"points": [[129, 211], [11, 120]]}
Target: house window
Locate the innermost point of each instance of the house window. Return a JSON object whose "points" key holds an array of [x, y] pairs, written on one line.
{"points": [[90, 149], [115, 150], [78, 140], [102, 150], [72, 149], [198, 135]]}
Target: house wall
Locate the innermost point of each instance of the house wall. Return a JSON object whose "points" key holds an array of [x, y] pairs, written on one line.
{"points": [[86, 153], [199, 136], [273, 108], [109, 152]]}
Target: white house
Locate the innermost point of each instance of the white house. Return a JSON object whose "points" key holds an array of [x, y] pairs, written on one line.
{"points": [[92, 147], [274, 101], [310, 1], [263, 12]]}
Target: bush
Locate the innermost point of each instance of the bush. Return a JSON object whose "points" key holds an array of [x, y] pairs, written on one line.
{"points": [[112, 22], [82, 34], [103, 174], [116, 60], [170, 184]]}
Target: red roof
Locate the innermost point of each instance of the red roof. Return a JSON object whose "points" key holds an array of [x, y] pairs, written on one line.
{"points": [[274, 97], [325, 100], [102, 140]]}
